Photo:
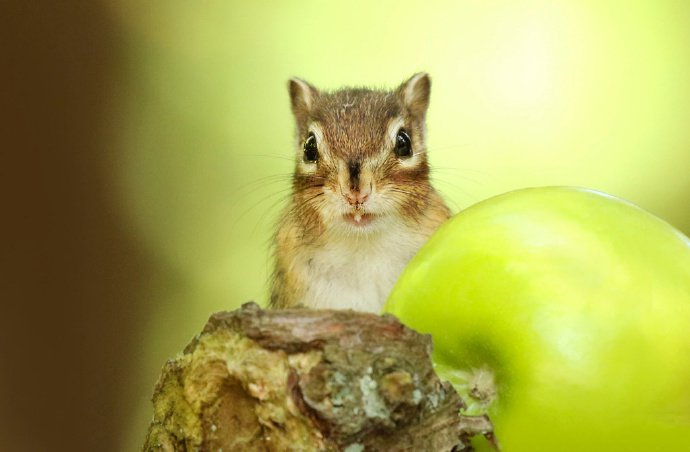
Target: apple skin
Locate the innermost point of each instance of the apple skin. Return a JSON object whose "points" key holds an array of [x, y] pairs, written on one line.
{"points": [[576, 303]]}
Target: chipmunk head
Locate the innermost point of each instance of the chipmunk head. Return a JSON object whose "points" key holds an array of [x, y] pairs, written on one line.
{"points": [[361, 155]]}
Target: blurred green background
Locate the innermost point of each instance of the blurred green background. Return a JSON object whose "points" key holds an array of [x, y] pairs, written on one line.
{"points": [[168, 125], [592, 93]]}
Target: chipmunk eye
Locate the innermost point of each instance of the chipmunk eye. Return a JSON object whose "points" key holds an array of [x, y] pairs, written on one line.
{"points": [[403, 145], [311, 150]]}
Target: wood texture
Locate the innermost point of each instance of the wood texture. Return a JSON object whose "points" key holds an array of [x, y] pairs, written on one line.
{"points": [[298, 379]]}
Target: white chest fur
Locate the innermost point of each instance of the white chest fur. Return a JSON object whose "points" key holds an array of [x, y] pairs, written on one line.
{"points": [[358, 272]]}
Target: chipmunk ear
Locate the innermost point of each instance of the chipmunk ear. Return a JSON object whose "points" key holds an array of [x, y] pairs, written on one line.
{"points": [[302, 96], [414, 94]]}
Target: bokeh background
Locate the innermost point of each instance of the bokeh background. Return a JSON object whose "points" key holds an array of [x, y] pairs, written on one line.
{"points": [[151, 142]]}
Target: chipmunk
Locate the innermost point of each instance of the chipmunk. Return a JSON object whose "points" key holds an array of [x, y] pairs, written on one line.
{"points": [[362, 203]]}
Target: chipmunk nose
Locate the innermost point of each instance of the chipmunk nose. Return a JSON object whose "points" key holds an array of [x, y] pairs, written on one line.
{"points": [[356, 197]]}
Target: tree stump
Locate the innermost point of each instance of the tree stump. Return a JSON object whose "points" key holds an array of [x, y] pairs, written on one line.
{"points": [[299, 379]]}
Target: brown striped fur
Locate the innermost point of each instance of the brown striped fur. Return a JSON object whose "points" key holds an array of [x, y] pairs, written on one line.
{"points": [[317, 252]]}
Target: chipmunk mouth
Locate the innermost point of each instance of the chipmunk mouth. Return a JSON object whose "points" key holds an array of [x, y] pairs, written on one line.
{"points": [[358, 218]]}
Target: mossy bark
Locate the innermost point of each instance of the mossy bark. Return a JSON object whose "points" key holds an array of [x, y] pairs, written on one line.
{"points": [[298, 379]]}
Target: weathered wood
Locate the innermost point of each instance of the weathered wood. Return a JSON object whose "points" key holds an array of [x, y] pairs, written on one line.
{"points": [[298, 379]]}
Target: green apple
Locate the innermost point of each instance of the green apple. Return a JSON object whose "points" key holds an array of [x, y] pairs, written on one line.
{"points": [[565, 314]]}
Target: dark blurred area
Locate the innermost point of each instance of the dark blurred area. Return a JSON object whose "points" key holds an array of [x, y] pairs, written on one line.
{"points": [[71, 274]]}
